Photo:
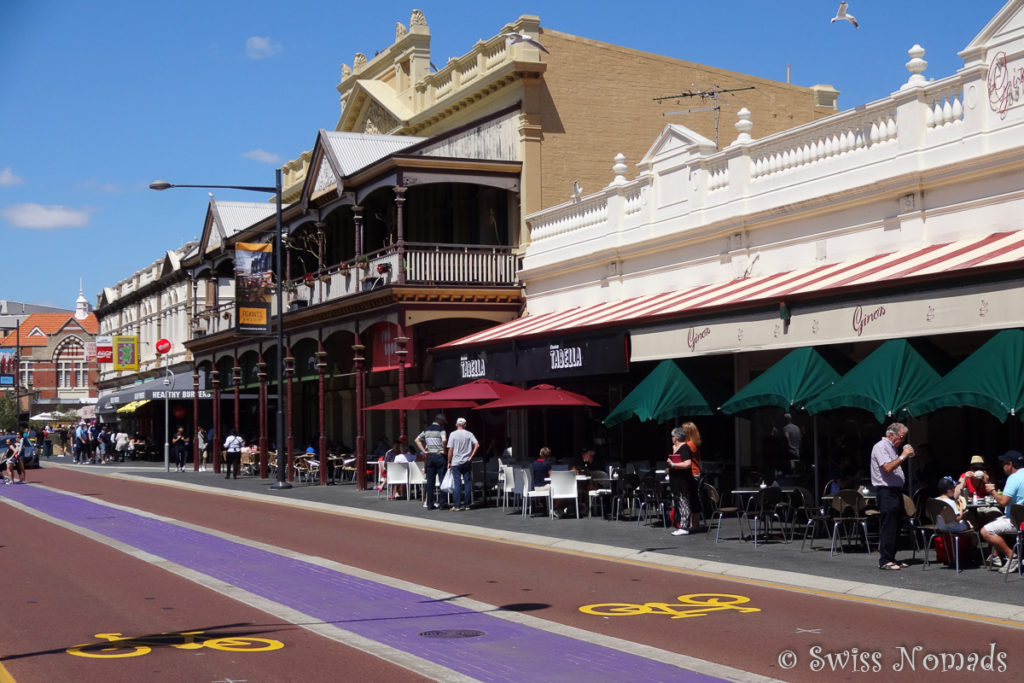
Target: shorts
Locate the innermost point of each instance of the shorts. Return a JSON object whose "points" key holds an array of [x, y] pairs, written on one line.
{"points": [[1000, 526]]}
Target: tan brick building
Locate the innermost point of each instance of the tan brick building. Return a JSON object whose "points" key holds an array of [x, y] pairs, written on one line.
{"points": [[580, 104]]}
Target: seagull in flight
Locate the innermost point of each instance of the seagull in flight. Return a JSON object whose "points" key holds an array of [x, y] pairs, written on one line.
{"points": [[514, 38], [841, 15]]}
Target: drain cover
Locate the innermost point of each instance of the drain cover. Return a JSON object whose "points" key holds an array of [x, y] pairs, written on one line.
{"points": [[452, 633]]}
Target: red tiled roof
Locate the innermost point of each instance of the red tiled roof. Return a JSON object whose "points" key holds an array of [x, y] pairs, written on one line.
{"points": [[49, 324]]}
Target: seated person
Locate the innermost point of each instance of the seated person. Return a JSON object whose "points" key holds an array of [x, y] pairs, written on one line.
{"points": [[949, 491], [541, 469], [585, 462], [974, 480], [1013, 493]]}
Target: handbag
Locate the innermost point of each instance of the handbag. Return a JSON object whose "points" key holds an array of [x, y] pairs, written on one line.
{"points": [[448, 482]]}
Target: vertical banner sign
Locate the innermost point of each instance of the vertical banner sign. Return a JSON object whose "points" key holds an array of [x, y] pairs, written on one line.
{"points": [[104, 348], [90, 352], [254, 282], [126, 352], [8, 367]]}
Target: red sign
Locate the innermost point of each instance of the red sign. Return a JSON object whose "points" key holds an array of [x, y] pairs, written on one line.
{"points": [[163, 346], [385, 347]]}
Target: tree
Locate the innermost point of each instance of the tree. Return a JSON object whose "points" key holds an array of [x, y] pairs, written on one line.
{"points": [[8, 412]]}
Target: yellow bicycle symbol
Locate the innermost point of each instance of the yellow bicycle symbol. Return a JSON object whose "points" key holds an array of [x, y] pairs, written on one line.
{"points": [[117, 645], [692, 605]]}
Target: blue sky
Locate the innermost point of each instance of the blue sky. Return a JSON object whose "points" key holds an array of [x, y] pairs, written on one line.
{"points": [[98, 99]]}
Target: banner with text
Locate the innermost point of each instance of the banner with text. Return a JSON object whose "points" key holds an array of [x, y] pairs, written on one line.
{"points": [[254, 283]]}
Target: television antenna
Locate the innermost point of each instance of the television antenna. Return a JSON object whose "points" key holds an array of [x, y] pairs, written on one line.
{"points": [[705, 96]]}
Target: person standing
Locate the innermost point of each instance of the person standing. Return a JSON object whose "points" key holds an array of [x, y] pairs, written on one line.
{"points": [[121, 443], [233, 448], [202, 446], [887, 477], [462, 446], [682, 464], [432, 442], [179, 446]]}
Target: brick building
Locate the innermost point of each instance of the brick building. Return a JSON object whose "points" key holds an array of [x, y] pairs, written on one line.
{"points": [[54, 371]]}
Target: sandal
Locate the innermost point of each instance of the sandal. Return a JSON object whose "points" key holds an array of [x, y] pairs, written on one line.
{"points": [[890, 566], [903, 565]]}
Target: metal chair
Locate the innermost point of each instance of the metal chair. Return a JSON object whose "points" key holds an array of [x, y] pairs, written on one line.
{"points": [[601, 488], [651, 497], [1017, 520], [943, 516], [763, 508], [627, 493], [848, 511], [719, 512], [814, 515]]}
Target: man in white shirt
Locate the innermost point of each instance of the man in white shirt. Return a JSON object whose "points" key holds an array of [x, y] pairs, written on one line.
{"points": [[462, 446]]}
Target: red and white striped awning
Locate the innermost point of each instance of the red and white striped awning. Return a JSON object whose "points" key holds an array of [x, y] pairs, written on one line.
{"points": [[899, 266]]}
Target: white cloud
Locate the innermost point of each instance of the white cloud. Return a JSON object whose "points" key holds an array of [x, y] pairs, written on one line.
{"points": [[8, 178], [260, 48], [39, 217], [262, 157]]}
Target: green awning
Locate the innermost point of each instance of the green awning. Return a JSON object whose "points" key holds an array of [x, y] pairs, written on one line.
{"points": [[884, 383], [991, 378], [664, 394], [800, 376]]}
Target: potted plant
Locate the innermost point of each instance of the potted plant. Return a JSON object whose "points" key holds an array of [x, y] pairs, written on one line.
{"points": [[361, 261], [383, 268], [309, 280], [325, 277], [344, 269]]}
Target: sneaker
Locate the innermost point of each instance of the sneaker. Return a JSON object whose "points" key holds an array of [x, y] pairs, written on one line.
{"points": [[994, 561], [424, 503], [1010, 566], [681, 532]]}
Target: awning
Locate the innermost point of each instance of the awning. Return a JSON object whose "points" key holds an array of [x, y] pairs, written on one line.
{"points": [[991, 378], [131, 407], [180, 389], [801, 375], [906, 266], [664, 394], [883, 383]]}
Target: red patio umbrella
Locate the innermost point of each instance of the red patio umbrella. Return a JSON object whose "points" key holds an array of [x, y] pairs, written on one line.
{"points": [[478, 390], [425, 400], [540, 396]]}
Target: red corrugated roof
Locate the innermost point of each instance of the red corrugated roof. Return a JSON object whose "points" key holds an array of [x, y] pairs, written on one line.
{"points": [[49, 324]]}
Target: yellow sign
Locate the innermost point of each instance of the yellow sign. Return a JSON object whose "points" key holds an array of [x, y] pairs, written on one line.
{"points": [[252, 316], [692, 605], [126, 352], [117, 646]]}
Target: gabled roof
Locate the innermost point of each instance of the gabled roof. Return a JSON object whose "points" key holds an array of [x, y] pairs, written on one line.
{"points": [[226, 219], [674, 137], [338, 155], [46, 325], [1001, 33]]}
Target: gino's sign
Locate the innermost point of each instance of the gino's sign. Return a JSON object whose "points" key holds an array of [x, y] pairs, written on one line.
{"points": [[1004, 84]]}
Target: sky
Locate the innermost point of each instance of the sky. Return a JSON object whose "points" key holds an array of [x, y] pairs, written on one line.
{"points": [[98, 99]]}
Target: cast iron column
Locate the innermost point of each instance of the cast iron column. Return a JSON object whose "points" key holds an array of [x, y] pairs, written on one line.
{"points": [[218, 436], [261, 373], [321, 365], [357, 364], [289, 373]]}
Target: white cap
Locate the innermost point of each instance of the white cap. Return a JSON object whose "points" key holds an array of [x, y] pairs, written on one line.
{"points": [[461, 421]]}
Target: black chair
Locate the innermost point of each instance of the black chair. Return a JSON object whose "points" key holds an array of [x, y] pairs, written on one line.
{"points": [[1017, 519], [814, 515], [943, 516], [652, 498], [627, 493], [719, 512], [764, 507]]}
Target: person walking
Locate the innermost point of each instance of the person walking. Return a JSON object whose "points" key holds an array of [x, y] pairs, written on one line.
{"points": [[432, 442], [179, 446], [121, 443], [233, 448], [203, 447], [462, 446], [888, 478]]}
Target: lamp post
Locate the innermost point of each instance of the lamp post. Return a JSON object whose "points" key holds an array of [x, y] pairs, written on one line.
{"points": [[282, 482], [168, 381]]}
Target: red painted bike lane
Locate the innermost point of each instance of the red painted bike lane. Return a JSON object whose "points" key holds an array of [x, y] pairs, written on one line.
{"points": [[794, 635]]}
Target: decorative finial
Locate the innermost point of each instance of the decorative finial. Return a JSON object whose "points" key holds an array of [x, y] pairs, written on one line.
{"points": [[743, 125], [619, 169], [915, 66]]}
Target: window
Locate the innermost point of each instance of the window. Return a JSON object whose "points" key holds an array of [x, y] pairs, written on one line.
{"points": [[26, 378], [71, 366]]}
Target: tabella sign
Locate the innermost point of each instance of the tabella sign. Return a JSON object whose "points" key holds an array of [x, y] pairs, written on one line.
{"points": [[595, 354], [473, 367], [1005, 83]]}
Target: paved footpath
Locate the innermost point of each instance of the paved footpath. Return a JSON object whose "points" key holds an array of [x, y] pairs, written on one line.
{"points": [[467, 643]]}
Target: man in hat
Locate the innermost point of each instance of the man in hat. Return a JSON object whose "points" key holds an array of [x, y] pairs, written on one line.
{"points": [[462, 446], [1013, 494], [433, 442], [973, 481]]}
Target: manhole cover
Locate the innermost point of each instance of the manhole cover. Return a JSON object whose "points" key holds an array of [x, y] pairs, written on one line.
{"points": [[452, 633]]}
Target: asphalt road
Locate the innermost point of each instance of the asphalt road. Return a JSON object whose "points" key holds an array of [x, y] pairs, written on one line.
{"points": [[69, 586]]}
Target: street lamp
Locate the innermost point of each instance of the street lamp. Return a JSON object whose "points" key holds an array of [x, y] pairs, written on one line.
{"points": [[168, 381], [282, 481]]}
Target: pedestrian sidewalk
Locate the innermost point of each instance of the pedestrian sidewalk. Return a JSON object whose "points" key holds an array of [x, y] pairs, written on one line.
{"points": [[853, 574]]}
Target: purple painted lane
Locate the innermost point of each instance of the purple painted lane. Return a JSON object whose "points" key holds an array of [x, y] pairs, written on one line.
{"points": [[372, 609]]}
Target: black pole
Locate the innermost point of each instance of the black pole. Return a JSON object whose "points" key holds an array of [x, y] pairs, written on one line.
{"points": [[282, 474]]}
